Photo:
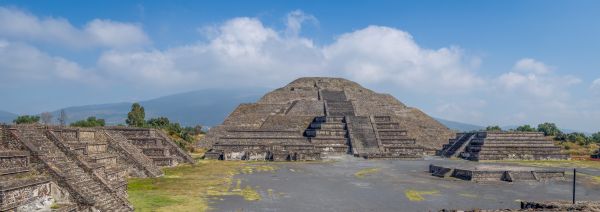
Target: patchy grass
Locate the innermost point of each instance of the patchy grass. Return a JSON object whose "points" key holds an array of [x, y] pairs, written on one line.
{"points": [[190, 187], [417, 196], [366, 172], [575, 149]]}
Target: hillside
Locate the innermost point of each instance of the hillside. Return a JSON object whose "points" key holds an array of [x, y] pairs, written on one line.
{"points": [[7, 117], [459, 126], [205, 107]]}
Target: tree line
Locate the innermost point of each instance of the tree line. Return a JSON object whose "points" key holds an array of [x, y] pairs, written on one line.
{"points": [[550, 129]]}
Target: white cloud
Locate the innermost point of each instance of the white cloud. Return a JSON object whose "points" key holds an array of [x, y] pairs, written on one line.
{"points": [[19, 25], [24, 63], [294, 22], [242, 51], [528, 65], [596, 84], [534, 78], [383, 54]]}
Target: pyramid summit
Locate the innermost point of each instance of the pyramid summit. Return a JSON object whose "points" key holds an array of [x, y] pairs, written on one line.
{"points": [[316, 117]]}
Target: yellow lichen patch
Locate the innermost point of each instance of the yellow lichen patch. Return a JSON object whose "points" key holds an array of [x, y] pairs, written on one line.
{"points": [[249, 169], [189, 187], [416, 196], [366, 172], [250, 194]]}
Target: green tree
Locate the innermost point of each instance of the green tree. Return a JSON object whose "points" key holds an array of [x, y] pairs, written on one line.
{"points": [[26, 119], [136, 118], [89, 122], [549, 129], [595, 137], [493, 128], [526, 128], [578, 138], [160, 122]]}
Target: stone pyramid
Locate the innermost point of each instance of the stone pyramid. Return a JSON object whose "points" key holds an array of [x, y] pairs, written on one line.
{"points": [[317, 117]]}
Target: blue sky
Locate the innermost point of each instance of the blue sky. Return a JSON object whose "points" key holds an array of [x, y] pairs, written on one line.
{"points": [[481, 62]]}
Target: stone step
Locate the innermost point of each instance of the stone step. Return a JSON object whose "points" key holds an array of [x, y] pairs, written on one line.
{"points": [[327, 125]]}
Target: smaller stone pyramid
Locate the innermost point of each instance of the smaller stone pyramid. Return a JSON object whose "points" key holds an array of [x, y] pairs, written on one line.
{"points": [[498, 145]]}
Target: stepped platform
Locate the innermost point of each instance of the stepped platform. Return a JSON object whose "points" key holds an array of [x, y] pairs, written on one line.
{"points": [[502, 146], [496, 173], [148, 140], [79, 169], [334, 116]]}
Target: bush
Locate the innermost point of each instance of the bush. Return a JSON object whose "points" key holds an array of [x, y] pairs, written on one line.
{"points": [[26, 119], [526, 128], [493, 128], [549, 129], [89, 122]]}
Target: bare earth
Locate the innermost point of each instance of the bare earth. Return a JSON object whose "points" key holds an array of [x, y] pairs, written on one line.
{"points": [[353, 184]]}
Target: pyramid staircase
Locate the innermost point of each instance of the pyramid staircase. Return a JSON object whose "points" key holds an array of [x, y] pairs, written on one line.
{"points": [[94, 153], [156, 146], [393, 141], [86, 188], [329, 135], [457, 145]]}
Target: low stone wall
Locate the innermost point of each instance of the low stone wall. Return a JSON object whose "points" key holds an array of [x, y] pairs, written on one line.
{"points": [[491, 174], [17, 193]]}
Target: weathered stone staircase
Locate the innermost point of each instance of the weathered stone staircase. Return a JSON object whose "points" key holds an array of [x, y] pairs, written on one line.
{"points": [[457, 145], [85, 188], [393, 141], [93, 150], [336, 103], [329, 134]]}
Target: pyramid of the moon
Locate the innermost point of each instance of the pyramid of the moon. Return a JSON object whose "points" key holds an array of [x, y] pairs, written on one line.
{"points": [[316, 117]]}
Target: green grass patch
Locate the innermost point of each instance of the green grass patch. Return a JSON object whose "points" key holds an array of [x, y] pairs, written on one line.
{"points": [[189, 187]]}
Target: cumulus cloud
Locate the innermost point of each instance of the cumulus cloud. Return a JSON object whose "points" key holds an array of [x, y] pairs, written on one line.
{"points": [[295, 19], [533, 77], [23, 63], [529, 65], [19, 25], [244, 51], [596, 84]]}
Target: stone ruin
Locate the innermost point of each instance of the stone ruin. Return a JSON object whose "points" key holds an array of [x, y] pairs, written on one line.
{"points": [[498, 145], [312, 118], [78, 169], [495, 173]]}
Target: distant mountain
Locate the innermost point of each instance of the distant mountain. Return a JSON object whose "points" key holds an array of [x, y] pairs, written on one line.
{"points": [[204, 107], [459, 126], [7, 117]]}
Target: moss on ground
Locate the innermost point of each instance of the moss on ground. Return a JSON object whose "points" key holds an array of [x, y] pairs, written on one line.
{"points": [[190, 187], [366, 172]]}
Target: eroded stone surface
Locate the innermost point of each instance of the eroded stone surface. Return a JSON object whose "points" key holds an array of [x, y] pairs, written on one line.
{"points": [[493, 172], [311, 118], [78, 169]]}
